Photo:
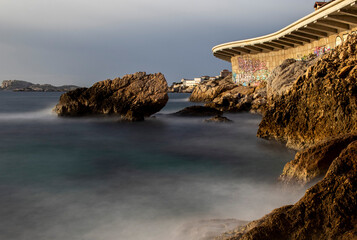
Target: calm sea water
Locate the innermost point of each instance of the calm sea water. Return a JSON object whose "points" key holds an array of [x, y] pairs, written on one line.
{"points": [[100, 179]]}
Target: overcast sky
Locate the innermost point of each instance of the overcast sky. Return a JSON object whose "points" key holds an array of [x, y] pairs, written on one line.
{"points": [[84, 41]]}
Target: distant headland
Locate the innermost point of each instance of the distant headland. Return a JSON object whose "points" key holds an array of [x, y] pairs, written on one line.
{"points": [[24, 86]]}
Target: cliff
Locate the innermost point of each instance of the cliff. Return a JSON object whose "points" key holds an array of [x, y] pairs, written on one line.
{"points": [[132, 97], [321, 103], [23, 86]]}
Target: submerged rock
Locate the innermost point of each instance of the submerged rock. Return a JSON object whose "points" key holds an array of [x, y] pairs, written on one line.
{"points": [[328, 210], [314, 162], [132, 97], [198, 111], [218, 118], [321, 103]]}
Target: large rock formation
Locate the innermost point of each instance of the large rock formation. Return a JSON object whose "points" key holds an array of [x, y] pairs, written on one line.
{"points": [[320, 104], [227, 96], [282, 78], [209, 90], [133, 97], [328, 210], [23, 86], [314, 162]]}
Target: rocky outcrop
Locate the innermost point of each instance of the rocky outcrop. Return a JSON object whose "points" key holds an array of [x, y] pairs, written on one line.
{"points": [[219, 119], [132, 97], [314, 162], [328, 210], [282, 78], [209, 90], [179, 88], [197, 111], [227, 96], [320, 104], [23, 86]]}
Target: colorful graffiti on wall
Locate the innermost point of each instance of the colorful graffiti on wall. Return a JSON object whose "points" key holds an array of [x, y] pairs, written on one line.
{"points": [[251, 72], [319, 51]]}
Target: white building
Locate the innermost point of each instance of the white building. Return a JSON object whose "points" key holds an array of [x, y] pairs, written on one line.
{"points": [[190, 82]]}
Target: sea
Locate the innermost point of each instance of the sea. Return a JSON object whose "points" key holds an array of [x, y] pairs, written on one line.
{"points": [[102, 179]]}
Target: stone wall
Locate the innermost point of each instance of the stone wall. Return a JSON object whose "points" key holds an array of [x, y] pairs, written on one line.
{"points": [[251, 69]]}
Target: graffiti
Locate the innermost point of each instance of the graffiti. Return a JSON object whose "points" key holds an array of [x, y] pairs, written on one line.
{"points": [[251, 72], [319, 51]]}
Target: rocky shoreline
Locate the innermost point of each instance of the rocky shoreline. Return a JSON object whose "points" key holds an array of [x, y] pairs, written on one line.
{"points": [[311, 106]]}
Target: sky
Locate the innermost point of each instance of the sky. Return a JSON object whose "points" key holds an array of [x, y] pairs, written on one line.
{"points": [[84, 41]]}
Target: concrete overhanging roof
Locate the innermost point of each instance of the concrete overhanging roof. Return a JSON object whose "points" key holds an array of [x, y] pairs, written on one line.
{"points": [[337, 16]]}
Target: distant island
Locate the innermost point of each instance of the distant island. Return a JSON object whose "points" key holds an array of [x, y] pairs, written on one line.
{"points": [[24, 86]]}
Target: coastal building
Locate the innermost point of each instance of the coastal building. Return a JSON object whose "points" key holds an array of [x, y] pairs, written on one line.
{"points": [[190, 82], [253, 59], [224, 73]]}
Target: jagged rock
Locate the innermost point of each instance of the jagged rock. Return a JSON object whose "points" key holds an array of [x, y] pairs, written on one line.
{"points": [[284, 76], [132, 97], [207, 91], [198, 111], [218, 118], [227, 96], [328, 210], [179, 88], [314, 162], [321, 103], [23, 86]]}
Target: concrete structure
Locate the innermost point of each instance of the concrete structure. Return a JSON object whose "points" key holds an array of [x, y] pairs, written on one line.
{"points": [[253, 59], [224, 73]]}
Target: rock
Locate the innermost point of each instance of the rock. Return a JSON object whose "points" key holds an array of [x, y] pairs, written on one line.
{"points": [[320, 104], [284, 76], [179, 88], [207, 91], [218, 118], [198, 111], [328, 210], [132, 97], [314, 162], [23, 86], [227, 96]]}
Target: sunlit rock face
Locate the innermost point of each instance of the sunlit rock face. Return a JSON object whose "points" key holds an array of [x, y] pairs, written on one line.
{"points": [[227, 96], [132, 97], [314, 162], [320, 104]]}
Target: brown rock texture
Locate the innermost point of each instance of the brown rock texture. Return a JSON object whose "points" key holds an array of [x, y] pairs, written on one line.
{"points": [[314, 162], [206, 92], [320, 104], [227, 96], [328, 210], [284, 76], [132, 97]]}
